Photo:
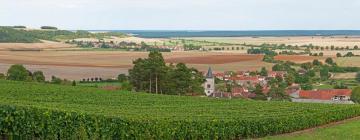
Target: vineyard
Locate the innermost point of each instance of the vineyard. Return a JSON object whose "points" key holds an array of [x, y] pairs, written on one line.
{"points": [[31, 110]]}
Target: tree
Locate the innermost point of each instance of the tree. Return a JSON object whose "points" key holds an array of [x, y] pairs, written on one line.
{"points": [[355, 96], [73, 83], [324, 73], [338, 54], [126, 86], [306, 66], [259, 92], [263, 72], [340, 86], [290, 79], [356, 47], [122, 78], [316, 62], [2, 76], [349, 54], [278, 93], [306, 86], [358, 76], [321, 54], [17, 73], [329, 61], [38, 76], [154, 76]]}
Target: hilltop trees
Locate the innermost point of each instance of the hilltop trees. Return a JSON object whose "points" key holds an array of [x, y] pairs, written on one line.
{"points": [[154, 76]]}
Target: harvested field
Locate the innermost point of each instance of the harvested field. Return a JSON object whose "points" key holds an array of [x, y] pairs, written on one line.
{"points": [[348, 61], [46, 45], [126, 39], [298, 58], [338, 41], [215, 59], [76, 65]]}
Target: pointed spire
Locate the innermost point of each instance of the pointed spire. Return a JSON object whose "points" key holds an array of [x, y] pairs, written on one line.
{"points": [[209, 73]]}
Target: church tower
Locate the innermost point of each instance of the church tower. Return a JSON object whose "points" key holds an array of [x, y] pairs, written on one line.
{"points": [[209, 85]]}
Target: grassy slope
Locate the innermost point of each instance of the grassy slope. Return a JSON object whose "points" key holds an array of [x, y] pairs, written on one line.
{"points": [[347, 130]]}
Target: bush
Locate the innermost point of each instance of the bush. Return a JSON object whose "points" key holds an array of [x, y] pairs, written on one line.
{"points": [[2, 76], [17, 73], [38, 76], [355, 96]]}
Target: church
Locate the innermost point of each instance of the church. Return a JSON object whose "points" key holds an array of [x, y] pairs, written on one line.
{"points": [[209, 85]]}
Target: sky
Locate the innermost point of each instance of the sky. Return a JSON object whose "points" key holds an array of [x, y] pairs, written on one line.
{"points": [[183, 14]]}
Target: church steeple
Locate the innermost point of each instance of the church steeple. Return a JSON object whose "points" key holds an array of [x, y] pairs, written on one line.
{"points": [[209, 73]]}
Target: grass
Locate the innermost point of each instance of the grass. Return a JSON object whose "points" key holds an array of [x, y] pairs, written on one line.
{"points": [[348, 130], [329, 84]]}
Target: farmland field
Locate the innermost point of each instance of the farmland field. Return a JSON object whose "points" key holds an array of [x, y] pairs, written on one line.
{"points": [[75, 65], [338, 41], [37, 110], [298, 58]]}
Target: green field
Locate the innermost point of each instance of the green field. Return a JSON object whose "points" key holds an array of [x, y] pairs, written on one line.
{"points": [[348, 130], [66, 112]]}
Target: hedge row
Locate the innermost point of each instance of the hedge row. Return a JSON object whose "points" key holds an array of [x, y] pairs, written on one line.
{"points": [[19, 122]]}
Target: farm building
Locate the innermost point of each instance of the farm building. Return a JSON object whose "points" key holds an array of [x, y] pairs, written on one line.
{"points": [[324, 96]]}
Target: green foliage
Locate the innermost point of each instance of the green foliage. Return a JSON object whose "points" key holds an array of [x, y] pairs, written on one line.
{"points": [[66, 112], [154, 76], [73, 83], [263, 72], [122, 78], [38, 76], [358, 76], [2, 76], [306, 86], [48, 27], [324, 73], [338, 55], [340, 86], [18, 73], [11, 35], [329, 61], [355, 96]]}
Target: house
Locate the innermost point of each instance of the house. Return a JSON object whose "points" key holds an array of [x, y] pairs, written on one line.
{"points": [[274, 74], [220, 76], [242, 92], [246, 80], [325, 96]]}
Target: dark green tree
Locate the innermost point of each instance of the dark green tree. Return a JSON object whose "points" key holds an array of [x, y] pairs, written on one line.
{"points": [[38, 76], [263, 72], [122, 78], [17, 73]]}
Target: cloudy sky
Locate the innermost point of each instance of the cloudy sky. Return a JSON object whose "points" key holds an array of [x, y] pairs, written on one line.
{"points": [[183, 14]]}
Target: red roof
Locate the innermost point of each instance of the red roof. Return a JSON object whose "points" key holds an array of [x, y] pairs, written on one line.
{"points": [[219, 74], [245, 78], [324, 94]]}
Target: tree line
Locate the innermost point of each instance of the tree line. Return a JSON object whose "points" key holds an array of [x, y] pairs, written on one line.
{"points": [[152, 75]]}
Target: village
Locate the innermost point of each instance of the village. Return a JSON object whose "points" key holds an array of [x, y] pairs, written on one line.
{"points": [[243, 84]]}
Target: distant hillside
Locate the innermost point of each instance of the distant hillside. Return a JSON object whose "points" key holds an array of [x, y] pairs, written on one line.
{"points": [[11, 35], [8, 35]]}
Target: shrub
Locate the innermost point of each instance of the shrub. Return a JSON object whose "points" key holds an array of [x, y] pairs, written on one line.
{"points": [[38, 76], [17, 73], [355, 96]]}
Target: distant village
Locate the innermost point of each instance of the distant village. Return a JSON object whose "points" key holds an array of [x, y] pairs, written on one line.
{"points": [[243, 85]]}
